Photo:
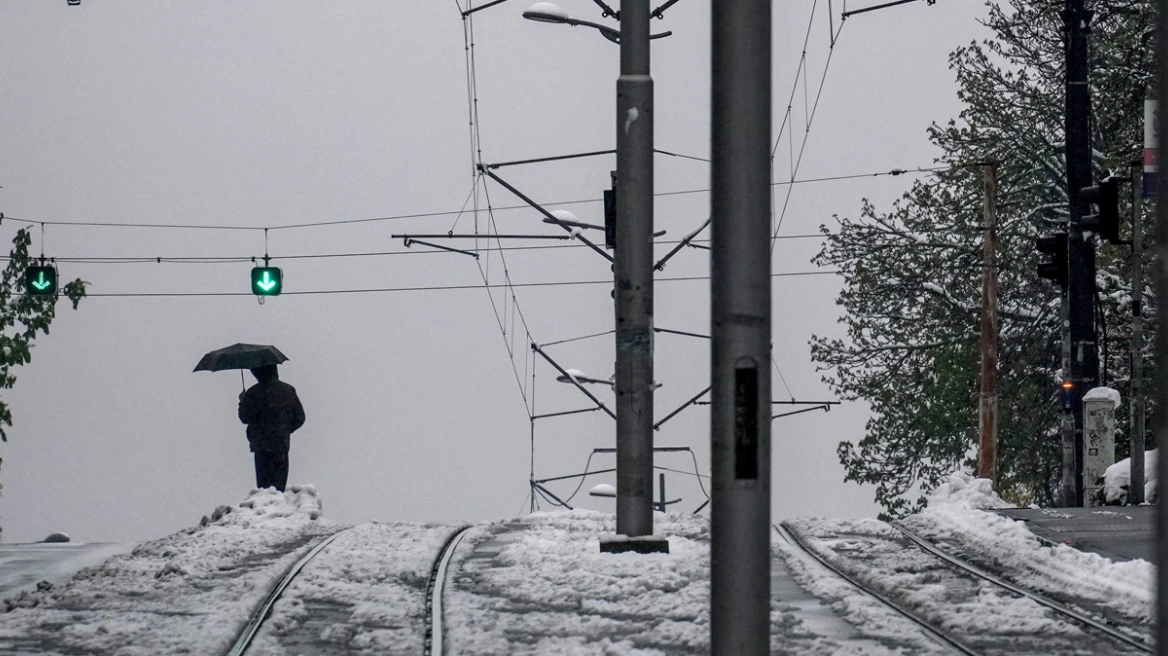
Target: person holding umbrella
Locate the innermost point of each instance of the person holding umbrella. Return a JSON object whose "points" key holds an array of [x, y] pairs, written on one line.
{"points": [[270, 408]]}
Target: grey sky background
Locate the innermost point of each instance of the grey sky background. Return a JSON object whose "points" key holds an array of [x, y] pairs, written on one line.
{"points": [[273, 113]]}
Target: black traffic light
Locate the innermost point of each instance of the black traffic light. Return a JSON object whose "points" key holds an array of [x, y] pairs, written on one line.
{"points": [[1056, 269], [40, 281], [1106, 196], [267, 281]]}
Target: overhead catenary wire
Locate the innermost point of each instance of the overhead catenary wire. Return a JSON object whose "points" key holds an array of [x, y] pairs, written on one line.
{"points": [[430, 288], [448, 213], [237, 259]]}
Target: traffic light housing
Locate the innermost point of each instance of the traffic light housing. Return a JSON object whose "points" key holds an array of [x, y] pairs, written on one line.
{"points": [[1056, 247], [267, 281], [40, 281], [1106, 196]]}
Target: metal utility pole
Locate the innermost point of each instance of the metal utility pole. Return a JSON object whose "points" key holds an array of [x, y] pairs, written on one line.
{"points": [[740, 298], [1160, 414], [633, 267], [1084, 370], [1136, 404], [987, 410]]}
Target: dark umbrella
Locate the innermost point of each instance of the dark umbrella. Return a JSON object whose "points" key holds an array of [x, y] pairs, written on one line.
{"points": [[241, 356]]}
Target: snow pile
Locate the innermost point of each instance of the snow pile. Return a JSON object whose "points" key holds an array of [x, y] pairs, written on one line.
{"points": [[1117, 480], [1007, 548], [297, 503], [189, 592], [967, 492]]}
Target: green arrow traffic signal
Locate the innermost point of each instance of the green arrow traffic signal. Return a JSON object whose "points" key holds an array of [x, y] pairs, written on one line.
{"points": [[40, 281], [267, 281]]}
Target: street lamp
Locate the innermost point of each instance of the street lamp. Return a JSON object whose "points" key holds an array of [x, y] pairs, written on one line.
{"points": [[549, 12]]}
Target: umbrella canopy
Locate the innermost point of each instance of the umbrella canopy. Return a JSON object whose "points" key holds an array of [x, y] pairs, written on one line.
{"points": [[241, 356]]}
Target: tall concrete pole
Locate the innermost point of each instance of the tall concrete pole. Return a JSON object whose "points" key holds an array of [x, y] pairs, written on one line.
{"points": [[988, 400], [1160, 385], [633, 266], [1135, 394], [740, 297], [1080, 244]]}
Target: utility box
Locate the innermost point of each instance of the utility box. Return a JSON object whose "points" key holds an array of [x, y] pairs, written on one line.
{"points": [[1099, 406]]}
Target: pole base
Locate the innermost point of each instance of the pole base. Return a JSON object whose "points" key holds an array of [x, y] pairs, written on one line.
{"points": [[643, 545]]}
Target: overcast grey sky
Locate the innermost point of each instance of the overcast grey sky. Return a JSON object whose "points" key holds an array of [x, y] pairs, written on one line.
{"points": [[260, 114]]}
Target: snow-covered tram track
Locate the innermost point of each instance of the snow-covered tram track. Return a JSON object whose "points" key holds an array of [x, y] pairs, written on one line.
{"points": [[1060, 608], [941, 638], [985, 615], [265, 609], [433, 643]]}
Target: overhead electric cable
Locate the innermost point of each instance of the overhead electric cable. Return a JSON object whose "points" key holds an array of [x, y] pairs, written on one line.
{"points": [[553, 283], [455, 213]]}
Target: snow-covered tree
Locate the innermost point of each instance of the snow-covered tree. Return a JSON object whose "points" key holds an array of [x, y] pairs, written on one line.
{"points": [[912, 274]]}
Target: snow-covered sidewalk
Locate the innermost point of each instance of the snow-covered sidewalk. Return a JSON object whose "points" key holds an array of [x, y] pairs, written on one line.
{"points": [[187, 593]]}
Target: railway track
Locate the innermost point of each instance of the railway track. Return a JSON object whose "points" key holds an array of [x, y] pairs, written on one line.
{"points": [[938, 637], [1097, 638], [433, 633], [433, 645], [265, 609]]}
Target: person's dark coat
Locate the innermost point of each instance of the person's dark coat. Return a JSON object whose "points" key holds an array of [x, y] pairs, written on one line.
{"points": [[272, 412]]}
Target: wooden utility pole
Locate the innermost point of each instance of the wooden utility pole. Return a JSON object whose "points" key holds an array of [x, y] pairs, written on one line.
{"points": [[988, 400]]}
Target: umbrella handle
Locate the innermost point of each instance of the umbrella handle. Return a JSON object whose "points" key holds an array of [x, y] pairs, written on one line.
{"points": [[241, 381]]}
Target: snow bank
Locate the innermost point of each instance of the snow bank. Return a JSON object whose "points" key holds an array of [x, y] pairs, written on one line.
{"points": [[189, 592], [967, 492], [954, 519], [1117, 480]]}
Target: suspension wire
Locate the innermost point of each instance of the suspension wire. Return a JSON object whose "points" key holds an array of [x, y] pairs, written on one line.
{"points": [[806, 134], [236, 259], [426, 215], [577, 339], [809, 116]]}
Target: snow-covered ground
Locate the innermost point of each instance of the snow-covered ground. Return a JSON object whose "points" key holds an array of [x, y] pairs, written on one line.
{"points": [[540, 585], [187, 593], [365, 593], [955, 520]]}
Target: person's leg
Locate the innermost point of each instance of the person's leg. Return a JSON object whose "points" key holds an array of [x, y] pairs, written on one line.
{"points": [[261, 470], [280, 470], [267, 470]]}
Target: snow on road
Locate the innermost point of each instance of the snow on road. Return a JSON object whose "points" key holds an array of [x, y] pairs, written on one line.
{"points": [[955, 521], [187, 593], [364, 594]]}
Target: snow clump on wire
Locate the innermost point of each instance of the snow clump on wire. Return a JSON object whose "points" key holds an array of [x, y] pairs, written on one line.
{"points": [[968, 492]]}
